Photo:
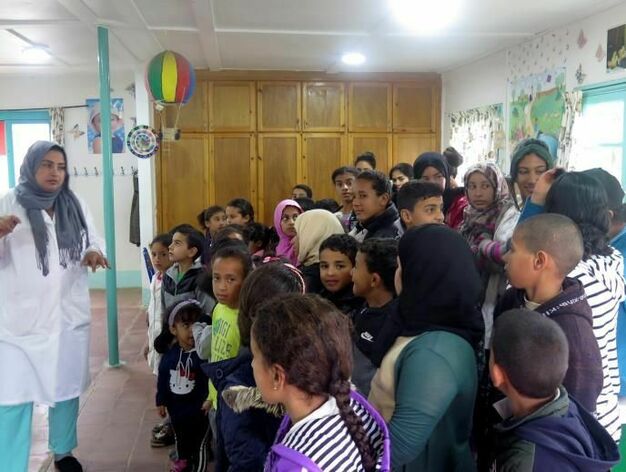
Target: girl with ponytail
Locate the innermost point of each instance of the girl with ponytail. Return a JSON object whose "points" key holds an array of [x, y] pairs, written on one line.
{"points": [[303, 361]]}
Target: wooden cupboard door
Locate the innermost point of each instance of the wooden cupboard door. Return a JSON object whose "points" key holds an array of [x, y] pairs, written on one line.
{"points": [[279, 106], [369, 107], [279, 168], [322, 154], [379, 144], [184, 189], [232, 106], [324, 106], [414, 108], [406, 147], [233, 168]]}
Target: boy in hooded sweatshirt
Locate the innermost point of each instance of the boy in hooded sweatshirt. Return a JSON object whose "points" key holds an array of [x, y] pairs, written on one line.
{"points": [[543, 428], [543, 250]]}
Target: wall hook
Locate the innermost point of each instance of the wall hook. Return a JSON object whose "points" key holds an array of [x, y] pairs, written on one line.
{"points": [[75, 172], [86, 172], [123, 171], [95, 171]]}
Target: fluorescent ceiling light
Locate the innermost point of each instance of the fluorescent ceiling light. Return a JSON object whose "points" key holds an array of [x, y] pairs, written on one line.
{"points": [[35, 54], [425, 16], [353, 58]]}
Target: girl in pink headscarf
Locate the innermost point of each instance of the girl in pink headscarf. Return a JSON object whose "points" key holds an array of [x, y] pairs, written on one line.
{"points": [[285, 216]]}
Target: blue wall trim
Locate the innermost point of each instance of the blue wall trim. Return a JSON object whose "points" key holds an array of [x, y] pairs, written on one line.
{"points": [[125, 279]]}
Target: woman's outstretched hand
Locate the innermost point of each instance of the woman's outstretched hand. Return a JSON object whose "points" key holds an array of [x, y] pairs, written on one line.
{"points": [[94, 260], [8, 224]]}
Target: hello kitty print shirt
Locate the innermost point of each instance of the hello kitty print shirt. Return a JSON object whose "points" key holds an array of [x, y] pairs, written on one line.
{"points": [[182, 387]]}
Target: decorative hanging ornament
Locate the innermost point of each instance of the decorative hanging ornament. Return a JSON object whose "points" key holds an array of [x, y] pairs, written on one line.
{"points": [[582, 39], [143, 141], [170, 78], [600, 54]]}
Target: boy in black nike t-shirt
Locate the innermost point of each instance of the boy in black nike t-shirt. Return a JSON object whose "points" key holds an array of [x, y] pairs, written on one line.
{"points": [[373, 279]]}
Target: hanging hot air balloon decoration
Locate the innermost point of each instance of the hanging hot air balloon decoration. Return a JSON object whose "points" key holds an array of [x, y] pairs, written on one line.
{"points": [[171, 81]]}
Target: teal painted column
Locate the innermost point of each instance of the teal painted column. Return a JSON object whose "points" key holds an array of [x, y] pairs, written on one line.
{"points": [[107, 190]]}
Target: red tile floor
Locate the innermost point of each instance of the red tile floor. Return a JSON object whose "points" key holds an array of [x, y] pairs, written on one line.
{"points": [[117, 412]]}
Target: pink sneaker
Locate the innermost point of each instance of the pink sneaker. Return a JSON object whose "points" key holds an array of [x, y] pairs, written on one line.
{"points": [[179, 465]]}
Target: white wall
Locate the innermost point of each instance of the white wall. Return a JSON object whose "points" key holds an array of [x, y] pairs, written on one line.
{"points": [[485, 82], [20, 92]]}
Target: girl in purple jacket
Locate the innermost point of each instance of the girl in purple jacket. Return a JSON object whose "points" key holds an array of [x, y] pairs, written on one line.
{"points": [[303, 361]]}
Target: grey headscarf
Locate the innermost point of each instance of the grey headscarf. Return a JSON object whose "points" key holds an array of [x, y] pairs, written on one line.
{"points": [[70, 225]]}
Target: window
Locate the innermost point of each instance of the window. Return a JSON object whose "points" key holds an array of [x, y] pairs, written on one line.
{"points": [[600, 133], [20, 129]]}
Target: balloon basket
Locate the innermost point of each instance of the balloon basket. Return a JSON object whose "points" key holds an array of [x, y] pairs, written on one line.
{"points": [[170, 134]]}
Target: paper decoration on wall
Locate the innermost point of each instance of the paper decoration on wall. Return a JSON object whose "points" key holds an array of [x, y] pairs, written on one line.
{"points": [[580, 75], [94, 137], [131, 89], [582, 39], [76, 132], [616, 48], [536, 105], [133, 121], [143, 141], [600, 54]]}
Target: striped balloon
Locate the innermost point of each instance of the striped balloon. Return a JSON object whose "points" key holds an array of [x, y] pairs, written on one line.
{"points": [[170, 78]]}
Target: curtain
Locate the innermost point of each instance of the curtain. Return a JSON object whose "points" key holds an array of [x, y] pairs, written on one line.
{"points": [[57, 125], [478, 134], [568, 133]]}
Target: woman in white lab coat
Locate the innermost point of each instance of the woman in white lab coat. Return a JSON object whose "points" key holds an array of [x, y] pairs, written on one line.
{"points": [[47, 241]]}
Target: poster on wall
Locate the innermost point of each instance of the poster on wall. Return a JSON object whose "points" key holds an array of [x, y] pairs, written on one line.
{"points": [[94, 133], [536, 107], [616, 49]]}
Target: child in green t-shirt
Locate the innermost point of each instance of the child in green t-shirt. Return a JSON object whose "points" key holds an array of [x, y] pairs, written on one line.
{"points": [[230, 266]]}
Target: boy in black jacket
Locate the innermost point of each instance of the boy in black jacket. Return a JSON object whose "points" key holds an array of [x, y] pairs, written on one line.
{"points": [[544, 249], [542, 427], [373, 278]]}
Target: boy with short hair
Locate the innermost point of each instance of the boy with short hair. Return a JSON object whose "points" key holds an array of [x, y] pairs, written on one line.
{"points": [[180, 280], [343, 178], [376, 214], [373, 279], [337, 256], [420, 203], [543, 428], [543, 250]]}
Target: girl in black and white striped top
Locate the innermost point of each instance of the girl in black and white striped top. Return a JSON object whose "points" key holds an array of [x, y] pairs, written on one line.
{"points": [[303, 361], [583, 199]]}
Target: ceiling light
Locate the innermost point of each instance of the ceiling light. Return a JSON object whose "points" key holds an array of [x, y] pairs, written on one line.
{"points": [[425, 16], [353, 58], [35, 54]]}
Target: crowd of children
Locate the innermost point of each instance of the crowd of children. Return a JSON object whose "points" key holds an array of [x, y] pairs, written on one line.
{"points": [[419, 326]]}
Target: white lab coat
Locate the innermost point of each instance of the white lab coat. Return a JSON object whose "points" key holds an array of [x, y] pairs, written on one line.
{"points": [[44, 321]]}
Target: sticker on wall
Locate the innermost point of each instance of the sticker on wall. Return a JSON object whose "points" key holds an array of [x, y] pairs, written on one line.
{"points": [[580, 75], [94, 133], [582, 39], [616, 48], [143, 141], [76, 132], [600, 54]]}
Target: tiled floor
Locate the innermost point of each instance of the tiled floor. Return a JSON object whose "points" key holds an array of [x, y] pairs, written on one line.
{"points": [[117, 412]]}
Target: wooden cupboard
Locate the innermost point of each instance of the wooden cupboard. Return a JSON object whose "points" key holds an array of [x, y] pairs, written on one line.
{"points": [[378, 143], [279, 106], [369, 107], [322, 153], [279, 166], [183, 178], [257, 134], [324, 106], [232, 106]]}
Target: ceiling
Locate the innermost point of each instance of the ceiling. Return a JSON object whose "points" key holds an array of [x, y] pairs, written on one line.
{"points": [[268, 34]]}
